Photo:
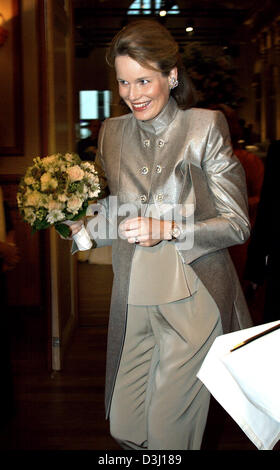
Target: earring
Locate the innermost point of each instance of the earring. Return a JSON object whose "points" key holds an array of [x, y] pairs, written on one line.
{"points": [[173, 83]]}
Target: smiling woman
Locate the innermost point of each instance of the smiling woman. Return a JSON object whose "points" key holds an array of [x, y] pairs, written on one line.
{"points": [[175, 288], [154, 49], [145, 91]]}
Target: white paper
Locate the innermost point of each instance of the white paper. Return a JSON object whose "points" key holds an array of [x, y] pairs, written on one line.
{"points": [[82, 240], [256, 369], [244, 390]]}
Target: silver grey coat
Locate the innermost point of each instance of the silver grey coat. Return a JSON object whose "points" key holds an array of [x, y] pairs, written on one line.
{"points": [[189, 159]]}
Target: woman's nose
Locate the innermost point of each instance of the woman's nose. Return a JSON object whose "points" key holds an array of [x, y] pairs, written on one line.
{"points": [[133, 93]]}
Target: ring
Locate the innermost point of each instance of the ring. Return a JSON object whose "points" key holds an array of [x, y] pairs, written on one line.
{"points": [[136, 240]]}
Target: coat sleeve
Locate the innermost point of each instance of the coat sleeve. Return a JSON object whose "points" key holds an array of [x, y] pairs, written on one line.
{"points": [[227, 187]]}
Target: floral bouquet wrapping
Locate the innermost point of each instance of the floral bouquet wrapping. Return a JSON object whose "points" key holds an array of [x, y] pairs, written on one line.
{"points": [[56, 190]]}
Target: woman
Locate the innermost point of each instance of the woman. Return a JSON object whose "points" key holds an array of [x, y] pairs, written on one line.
{"points": [[175, 288]]}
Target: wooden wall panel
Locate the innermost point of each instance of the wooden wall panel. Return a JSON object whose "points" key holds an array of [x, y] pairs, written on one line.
{"points": [[95, 287]]}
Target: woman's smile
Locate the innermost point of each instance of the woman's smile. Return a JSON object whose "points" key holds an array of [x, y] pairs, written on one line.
{"points": [[141, 106]]}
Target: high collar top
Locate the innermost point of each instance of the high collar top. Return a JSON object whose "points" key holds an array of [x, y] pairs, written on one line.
{"points": [[162, 120]]}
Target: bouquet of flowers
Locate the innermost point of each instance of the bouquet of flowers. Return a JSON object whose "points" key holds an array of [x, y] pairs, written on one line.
{"points": [[57, 189]]}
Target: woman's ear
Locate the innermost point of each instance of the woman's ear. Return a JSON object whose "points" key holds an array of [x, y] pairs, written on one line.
{"points": [[173, 78], [174, 73]]}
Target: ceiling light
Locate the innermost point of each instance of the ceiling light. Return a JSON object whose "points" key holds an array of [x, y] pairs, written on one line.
{"points": [[190, 26], [166, 5]]}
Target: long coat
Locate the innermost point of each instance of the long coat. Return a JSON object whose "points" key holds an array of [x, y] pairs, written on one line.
{"points": [[180, 157]]}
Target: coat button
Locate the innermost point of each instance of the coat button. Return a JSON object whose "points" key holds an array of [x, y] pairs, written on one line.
{"points": [[158, 169], [159, 197], [146, 143], [161, 143], [144, 170], [143, 198]]}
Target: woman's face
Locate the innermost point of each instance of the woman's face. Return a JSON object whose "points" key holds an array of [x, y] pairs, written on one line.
{"points": [[145, 91]]}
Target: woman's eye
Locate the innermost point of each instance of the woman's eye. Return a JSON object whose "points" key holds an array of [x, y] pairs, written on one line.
{"points": [[144, 82]]}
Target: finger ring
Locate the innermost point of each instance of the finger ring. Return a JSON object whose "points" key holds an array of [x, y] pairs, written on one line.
{"points": [[136, 240]]}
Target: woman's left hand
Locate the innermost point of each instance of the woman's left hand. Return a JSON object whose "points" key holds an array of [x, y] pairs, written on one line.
{"points": [[145, 231]]}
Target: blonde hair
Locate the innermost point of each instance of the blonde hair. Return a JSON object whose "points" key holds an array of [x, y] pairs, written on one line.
{"points": [[148, 42]]}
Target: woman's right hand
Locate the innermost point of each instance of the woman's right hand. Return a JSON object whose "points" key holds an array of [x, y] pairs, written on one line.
{"points": [[75, 226]]}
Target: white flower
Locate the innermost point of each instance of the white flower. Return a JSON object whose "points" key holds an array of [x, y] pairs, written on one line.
{"points": [[55, 216], [90, 177], [29, 215], [88, 167], [85, 165], [94, 194]]}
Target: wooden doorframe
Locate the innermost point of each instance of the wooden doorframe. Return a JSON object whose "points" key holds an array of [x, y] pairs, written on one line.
{"points": [[58, 337], [43, 125]]}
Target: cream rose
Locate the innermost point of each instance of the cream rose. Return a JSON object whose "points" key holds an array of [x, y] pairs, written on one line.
{"points": [[62, 197], [74, 204], [33, 199], [49, 160], [52, 205], [69, 157], [75, 173], [29, 180], [47, 182]]}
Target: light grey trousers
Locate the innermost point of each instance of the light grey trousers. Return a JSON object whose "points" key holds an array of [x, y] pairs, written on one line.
{"points": [[158, 402]]}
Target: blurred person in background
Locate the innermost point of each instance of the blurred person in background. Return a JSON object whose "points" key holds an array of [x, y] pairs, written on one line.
{"points": [[254, 172], [262, 267]]}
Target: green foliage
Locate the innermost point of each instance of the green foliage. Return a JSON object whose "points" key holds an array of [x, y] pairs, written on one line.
{"points": [[63, 229]]}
